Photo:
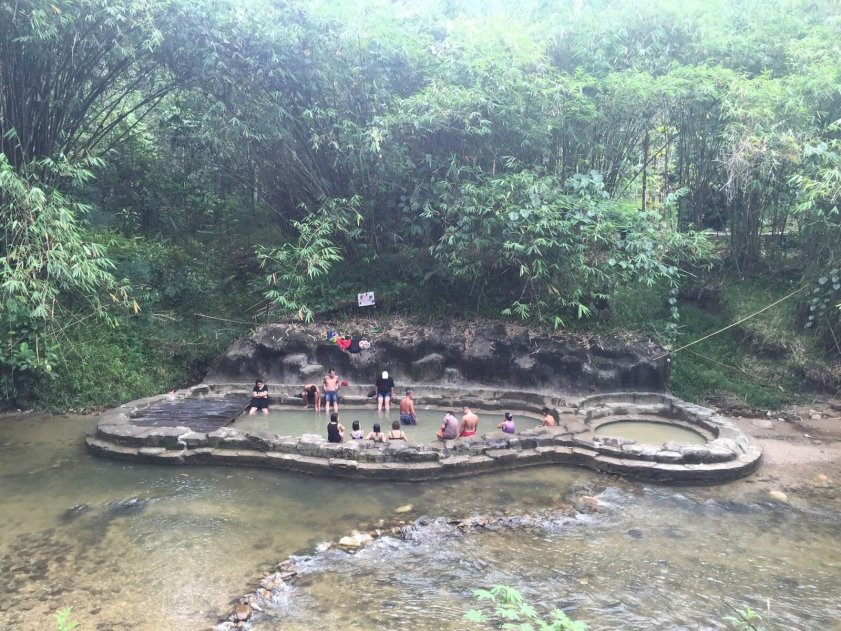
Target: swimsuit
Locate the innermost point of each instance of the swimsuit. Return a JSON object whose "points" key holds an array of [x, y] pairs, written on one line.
{"points": [[400, 435], [467, 432], [508, 427], [331, 396], [407, 419], [356, 434]]}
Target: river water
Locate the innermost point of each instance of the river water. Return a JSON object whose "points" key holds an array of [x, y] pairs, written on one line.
{"points": [[150, 547]]}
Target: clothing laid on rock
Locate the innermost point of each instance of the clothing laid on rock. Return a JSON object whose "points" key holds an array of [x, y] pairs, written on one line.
{"points": [[344, 343], [261, 403], [354, 346]]}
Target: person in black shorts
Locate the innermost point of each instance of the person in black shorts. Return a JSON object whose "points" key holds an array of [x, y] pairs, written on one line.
{"points": [[385, 390], [259, 398]]}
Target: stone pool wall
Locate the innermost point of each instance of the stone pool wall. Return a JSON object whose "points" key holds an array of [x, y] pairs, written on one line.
{"points": [[127, 433]]}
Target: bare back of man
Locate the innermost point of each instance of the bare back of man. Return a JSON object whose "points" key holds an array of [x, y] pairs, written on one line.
{"points": [[469, 423], [407, 410]]}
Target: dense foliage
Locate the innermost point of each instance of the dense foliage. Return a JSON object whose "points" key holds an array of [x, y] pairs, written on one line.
{"points": [[267, 159]]}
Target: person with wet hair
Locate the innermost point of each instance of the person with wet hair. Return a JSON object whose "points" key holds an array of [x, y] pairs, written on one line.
{"points": [[375, 434], [548, 419], [259, 398]]}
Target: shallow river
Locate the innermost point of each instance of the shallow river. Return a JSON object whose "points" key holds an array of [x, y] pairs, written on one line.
{"points": [[150, 547]]}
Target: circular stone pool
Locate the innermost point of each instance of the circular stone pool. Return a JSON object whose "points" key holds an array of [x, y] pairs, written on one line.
{"points": [[650, 432]]}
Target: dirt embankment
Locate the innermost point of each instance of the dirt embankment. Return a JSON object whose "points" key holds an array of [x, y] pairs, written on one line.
{"points": [[801, 451]]}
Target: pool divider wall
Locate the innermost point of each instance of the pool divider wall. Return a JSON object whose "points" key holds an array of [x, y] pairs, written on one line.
{"points": [[120, 433]]}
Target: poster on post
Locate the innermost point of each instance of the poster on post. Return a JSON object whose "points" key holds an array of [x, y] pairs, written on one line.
{"points": [[366, 299]]}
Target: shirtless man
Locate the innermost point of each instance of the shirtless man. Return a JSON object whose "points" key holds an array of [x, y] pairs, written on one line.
{"points": [[407, 409], [331, 390], [469, 423], [548, 419], [311, 396]]}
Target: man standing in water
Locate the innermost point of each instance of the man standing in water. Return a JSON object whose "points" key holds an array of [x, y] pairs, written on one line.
{"points": [[407, 409], [331, 390], [469, 423]]}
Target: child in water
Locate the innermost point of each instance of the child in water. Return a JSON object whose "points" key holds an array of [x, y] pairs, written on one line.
{"points": [[356, 433]]}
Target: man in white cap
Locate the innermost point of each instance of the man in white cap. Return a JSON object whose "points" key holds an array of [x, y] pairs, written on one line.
{"points": [[385, 388]]}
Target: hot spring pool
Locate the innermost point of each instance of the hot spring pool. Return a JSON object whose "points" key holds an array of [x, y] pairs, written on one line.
{"points": [[292, 422], [650, 432]]}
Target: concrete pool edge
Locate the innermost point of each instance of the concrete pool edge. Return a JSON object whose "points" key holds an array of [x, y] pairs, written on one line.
{"points": [[728, 455]]}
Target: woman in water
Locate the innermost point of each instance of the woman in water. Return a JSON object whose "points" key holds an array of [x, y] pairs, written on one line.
{"points": [[396, 433], [376, 435], [507, 425], [356, 433]]}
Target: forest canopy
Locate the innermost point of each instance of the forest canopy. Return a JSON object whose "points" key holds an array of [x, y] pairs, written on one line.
{"points": [[529, 160]]}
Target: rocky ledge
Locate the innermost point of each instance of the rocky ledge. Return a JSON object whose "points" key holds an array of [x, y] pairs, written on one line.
{"points": [[125, 433], [453, 352]]}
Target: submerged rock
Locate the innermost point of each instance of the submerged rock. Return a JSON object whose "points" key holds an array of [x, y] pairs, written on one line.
{"points": [[778, 495]]}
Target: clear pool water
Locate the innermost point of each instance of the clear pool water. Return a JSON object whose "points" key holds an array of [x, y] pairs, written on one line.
{"points": [[295, 422], [650, 432]]}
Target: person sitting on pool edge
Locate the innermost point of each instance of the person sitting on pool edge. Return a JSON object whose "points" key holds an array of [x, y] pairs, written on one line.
{"points": [[449, 427], [259, 398], [407, 409], [375, 434], [335, 430], [311, 396], [396, 433], [507, 425], [385, 390], [469, 423], [548, 419], [356, 433]]}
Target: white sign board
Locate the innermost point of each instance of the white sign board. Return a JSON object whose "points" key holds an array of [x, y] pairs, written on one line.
{"points": [[366, 299]]}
